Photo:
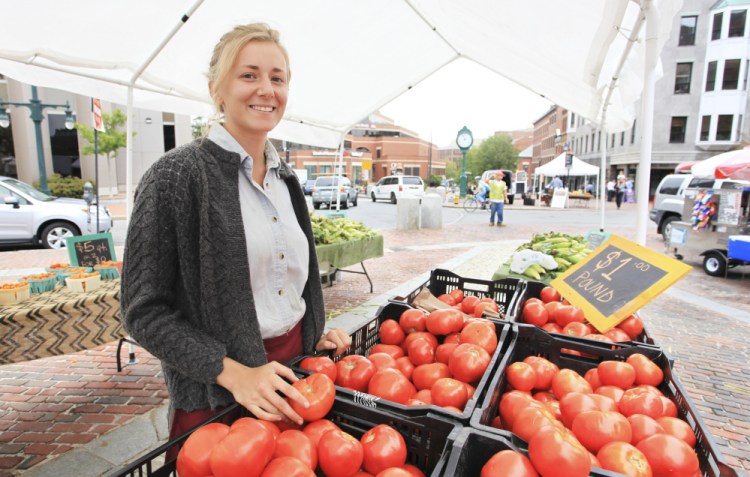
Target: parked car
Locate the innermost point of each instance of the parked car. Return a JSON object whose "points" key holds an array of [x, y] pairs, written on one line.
{"points": [[308, 186], [394, 187], [28, 216], [507, 178], [669, 200], [327, 188]]}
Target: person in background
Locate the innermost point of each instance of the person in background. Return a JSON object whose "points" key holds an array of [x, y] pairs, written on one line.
{"points": [[220, 278], [629, 191], [619, 190], [556, 183], [481, 190], [590, 188], [498, 197], [610, 190]]}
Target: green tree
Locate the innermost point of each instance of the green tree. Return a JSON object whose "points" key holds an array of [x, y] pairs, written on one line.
{"points": [[199, 125], [110, 141], [496, 152]]}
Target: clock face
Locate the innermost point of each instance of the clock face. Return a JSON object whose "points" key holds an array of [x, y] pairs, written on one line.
{"points": [[464, 140]]}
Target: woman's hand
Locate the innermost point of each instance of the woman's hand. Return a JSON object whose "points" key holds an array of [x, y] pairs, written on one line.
{"points": [[256, 389], [336, 339]]}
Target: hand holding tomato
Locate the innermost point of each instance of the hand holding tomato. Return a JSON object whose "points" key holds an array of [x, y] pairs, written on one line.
{"points": [[319, 392], [337, 339]]}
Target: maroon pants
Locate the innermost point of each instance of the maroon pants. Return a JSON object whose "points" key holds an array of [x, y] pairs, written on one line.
{"points": [[282, 349]]}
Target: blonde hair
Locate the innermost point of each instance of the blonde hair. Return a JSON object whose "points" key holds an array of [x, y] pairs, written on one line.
{"points": [[229, 46]]}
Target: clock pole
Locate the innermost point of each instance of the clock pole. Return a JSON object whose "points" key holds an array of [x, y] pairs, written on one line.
{"points": [[464, 140], [462, 182]]}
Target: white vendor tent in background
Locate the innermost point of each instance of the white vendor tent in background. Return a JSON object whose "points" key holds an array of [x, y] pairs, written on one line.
{"points": [[556, 167], [348, 58]]}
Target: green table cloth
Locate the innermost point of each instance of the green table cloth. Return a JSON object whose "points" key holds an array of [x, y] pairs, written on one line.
{"points": [[345, 254]]}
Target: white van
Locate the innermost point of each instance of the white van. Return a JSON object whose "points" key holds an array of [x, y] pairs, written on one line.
{"points": [[394, 187]]}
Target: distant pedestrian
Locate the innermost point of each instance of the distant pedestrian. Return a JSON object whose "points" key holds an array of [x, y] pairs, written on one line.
{"points": [[590, 188], [629, 191], [610, 190], [498, 196], [555, 184], [619, 190]]}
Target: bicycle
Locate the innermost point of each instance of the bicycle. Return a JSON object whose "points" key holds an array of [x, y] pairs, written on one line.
{"points": [[472, 203]]}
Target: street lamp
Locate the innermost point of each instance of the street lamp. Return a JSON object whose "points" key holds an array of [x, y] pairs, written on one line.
{"points": [[37, 107]]}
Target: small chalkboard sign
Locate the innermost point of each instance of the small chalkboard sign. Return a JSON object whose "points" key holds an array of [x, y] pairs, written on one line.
{"points": [[90, 250], [617, 279], [596, 238]]}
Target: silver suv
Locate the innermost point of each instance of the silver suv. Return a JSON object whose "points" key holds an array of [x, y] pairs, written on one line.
{"points": [[28, 216], [327, 188], [669, 201]]}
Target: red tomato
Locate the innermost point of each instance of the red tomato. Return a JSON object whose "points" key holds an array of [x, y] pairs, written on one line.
{"points": [[339, 454], [544, 369], [640, 401], [470, 390], [271, 427], [509, 464], [482, 307], [315, 430], [643, 427], [424, 395], [394, 350], [596, 428], [444, 351], [394, 472], [319, 391], [468, 362], [549, 294], [413, 320], [287, 466], [482, 334], [678, 428], [444, 322], [453, 338], [457, 295], [413, 470], [421, 351], [573, 404], [553, 449], [544, 396], [297, 444], [535, 314], [382, 360], [445, 298], [449, 392], [569, 314], [354, 372], [552, 328], [245, 450], [670, 410], [391, 384], [568, 381], [533, 300], [521, 376], [419, 335], [554, 408], [532, 420], [646, 371], [362, 473], [576, 328], [267, 424], [624, 458], [468, 304], [616, 373], [669, 455], [193, 459], [383, 447], [592, 377], [391, 332], [617, 335], [320, 364], [512, 403], [612, 392], [632, 325], [605, 403], [551, 308], [406, 367], [424, 376]]}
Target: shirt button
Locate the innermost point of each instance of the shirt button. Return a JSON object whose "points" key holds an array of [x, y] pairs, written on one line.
{"points": [[267, 185], [274, 219], [281, 256], [281, 292]]}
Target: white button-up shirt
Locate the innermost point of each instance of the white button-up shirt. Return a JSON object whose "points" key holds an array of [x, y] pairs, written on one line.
{"points": [[277, 249]]}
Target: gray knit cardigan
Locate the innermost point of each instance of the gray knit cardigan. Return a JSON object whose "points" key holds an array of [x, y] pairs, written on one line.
{"points": [[185, 292]]}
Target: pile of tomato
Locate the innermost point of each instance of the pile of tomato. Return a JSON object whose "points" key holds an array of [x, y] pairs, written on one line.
{"points": [[614, 417], [421, 359], [551, 313], [257, 448]]}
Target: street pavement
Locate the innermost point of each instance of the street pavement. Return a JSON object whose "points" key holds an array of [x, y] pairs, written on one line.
{"points": [[75, 415]]}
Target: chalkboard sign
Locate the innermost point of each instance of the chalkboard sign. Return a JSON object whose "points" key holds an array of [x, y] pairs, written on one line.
{"points": [[596, 238], [616, 280], [90, 250]]}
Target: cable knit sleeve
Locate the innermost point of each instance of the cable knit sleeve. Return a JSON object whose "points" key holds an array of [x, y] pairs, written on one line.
{"points": [[156, 287]]}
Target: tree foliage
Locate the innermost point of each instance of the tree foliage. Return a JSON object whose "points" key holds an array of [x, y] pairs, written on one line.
{"points": [[111, 140], [496, 152]]}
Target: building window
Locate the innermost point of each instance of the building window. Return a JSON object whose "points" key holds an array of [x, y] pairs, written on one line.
{"points": [[586, 144], [325, 169], [711, 76], [731, 74], [411, 171], [599, 141], [716, 27], [311, 172], [622, 138], [677, 131], [613, 141], [705, 127], [724, 127], [377, 153], [632, 133], [682, 78], [687, 30], [592, 142], [737, 23]]}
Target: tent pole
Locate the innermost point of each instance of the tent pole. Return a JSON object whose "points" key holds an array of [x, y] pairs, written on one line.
{"points": [[340, 167], [603, 173], [647, 113], [129, 157]]}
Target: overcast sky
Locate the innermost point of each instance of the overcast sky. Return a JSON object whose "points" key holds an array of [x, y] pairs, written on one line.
{"points": [[465, 94]]}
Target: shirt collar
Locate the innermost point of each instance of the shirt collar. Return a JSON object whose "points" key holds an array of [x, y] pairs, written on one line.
{"points": [[221, 137]]}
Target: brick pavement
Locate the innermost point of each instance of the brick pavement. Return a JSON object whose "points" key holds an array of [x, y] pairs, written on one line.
{"points": [[54, 405]]}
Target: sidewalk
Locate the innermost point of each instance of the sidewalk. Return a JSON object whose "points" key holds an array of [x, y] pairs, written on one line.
{"points": [[74, 415]]}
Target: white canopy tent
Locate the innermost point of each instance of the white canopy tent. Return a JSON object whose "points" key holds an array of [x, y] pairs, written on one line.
{"points": [[584, 55], [556, 167]]}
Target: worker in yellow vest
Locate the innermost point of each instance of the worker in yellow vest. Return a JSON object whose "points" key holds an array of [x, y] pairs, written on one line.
{"points": [[498, 196]]}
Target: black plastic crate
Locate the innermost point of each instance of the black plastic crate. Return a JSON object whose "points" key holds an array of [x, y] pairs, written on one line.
{"points": [[427, 437], [533, 289], [528, 340], [367, 336], [472, 449], [442, 281]]}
